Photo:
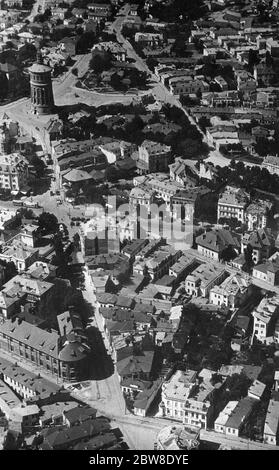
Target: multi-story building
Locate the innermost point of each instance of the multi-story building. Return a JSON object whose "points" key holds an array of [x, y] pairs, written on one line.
{"points": [[14, 172], [161, 260], [64, 356], [257, 214], [175, 392], [20, 254], [214, 243], [23, 289], [267, 272], [203, 278], [265, 315], [232, 292], [199, 406], [153, 157], [262, 243], [232, 204]]}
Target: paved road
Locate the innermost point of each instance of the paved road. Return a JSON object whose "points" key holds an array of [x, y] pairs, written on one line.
{"points": [[159, 90], [234, 442]]}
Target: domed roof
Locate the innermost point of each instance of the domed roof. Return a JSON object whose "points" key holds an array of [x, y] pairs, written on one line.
{"points": [[39, 68], [73, 349]]}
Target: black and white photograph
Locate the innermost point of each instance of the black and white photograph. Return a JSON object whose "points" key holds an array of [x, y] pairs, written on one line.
{"points": [[139, 230]]}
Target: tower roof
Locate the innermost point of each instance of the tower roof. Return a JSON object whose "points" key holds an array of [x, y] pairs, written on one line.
{"points": [[39, 66]]}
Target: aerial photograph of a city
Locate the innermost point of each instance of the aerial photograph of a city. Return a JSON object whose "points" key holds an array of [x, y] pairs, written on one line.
{"points": [[139, 227]]}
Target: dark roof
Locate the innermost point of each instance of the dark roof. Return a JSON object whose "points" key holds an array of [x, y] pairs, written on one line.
{"points": [[8, 68], [80, 414], [64, 438], [218, 240]]}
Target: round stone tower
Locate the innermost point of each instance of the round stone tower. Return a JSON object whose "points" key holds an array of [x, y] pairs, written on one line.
{"points": [[41, 87]]}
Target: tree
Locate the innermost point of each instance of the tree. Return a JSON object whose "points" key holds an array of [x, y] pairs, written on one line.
{"points": [[48, 222], [248, 252], [4, 86], [10, 269], [100, 62], [204, 122], [85, 42]]}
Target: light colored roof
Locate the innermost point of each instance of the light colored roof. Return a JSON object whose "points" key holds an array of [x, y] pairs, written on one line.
{"points": [[272, 418], [225, 413], [179, 385]]}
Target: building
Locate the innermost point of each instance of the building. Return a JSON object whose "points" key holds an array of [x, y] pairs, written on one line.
{"points": [[65, 357], [271, 425], [257, 214], [271, 163], [267, 272], [256, 390], [265, 315], [21, 289], [238, 417], [153, 157], [199, 406], [262, 243], [14, 172], [213, 244], [175, 392], [232, 292], [41, 87], [203, 278], [232, 204], [221, 420], [177, 438]]}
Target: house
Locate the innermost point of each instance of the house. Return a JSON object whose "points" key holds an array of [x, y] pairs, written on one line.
{"points": [[271, 424], [267, 272], [182, 267], [232, 204], [239, 417], [145, 398], [175, 392], [198, 408], [207, 171], [141, 196], [58, 439], [221, 420], [256, 390], [262, 243], [14, 172], [31, 387], [257, 214], [20, 254], [203, 278], [153, 157], [232, 292], [179, 172], [21, 289], [159, 262], [213, 244], [113, 48], [15, 411], [78, 414], [271, 163], [265, 316]]}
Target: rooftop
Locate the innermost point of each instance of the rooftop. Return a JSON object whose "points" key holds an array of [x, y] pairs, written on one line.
{"points": [[179, 385]]}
